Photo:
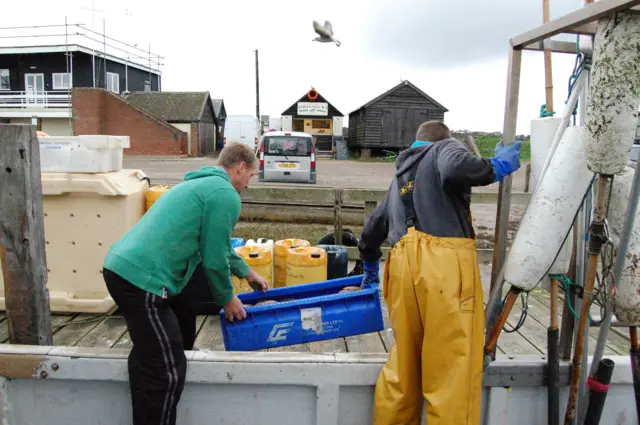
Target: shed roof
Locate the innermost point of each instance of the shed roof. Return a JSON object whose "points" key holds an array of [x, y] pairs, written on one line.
{"points": [[173, 106], [293, 109], [217, 106], [399, 86]]}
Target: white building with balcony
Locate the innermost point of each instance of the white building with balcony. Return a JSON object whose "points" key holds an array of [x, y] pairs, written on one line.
{"points": [[36, 81]]}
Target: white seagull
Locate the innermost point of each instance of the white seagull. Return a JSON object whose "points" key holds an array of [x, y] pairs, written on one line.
{"points": [[325, 32]]}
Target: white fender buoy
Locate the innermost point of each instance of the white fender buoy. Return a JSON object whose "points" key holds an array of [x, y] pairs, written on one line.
{"points": [[550, 214], [543, 131], [614, 94], [563, 260], [626, 301]]}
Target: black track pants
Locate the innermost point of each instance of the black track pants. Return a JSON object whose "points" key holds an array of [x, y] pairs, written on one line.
{"points": [[184, 307], [157, 363]]}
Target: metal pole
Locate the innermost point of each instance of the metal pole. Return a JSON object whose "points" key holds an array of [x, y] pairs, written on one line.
{"points": [[126, 64], [70, 93], [93, 45], [581, 273], [567, 333], [585, 213], [66, 44], [548, 77], [69, 68], [257, 89], [623, 247], [104, 47]]}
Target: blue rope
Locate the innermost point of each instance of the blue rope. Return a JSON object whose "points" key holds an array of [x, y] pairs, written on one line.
{"points": [[578, 67], [544, 113]]}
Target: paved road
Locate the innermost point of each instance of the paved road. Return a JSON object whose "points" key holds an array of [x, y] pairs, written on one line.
{"points": [[352, 174]]}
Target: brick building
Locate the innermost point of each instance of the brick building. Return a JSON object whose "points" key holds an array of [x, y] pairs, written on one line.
{"points": [[98, 111], [191, 112]]}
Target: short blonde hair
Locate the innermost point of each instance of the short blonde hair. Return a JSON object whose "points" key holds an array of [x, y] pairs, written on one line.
{"points": [[235, 153], [433, 131]]}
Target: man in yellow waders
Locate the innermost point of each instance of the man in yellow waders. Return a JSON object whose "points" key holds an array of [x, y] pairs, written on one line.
{"points": [[432, 281]]}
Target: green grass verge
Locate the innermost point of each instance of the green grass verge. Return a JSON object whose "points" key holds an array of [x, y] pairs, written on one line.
{"points": [[486, 145]]}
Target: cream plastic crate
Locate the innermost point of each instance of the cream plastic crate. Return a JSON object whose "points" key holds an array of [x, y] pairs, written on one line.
{"points": [[82, 154], [83, 215]]}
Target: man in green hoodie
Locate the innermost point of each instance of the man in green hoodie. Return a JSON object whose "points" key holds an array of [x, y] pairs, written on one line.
{"points": [[152, 263]]}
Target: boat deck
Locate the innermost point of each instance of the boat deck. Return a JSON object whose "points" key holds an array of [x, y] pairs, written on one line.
{"points": [[102, 331]]}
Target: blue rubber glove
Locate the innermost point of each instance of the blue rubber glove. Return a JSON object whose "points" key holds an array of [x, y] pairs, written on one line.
{"points": [[371, 270], [506, 159]]}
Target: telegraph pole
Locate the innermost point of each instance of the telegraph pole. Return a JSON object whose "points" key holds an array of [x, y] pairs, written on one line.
{"points": [[257, 90]]}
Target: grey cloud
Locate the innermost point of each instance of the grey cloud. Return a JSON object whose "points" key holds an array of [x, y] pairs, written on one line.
{"points": [[451, 32]]}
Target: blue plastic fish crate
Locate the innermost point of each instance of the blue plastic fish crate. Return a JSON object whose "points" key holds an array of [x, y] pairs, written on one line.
{"points": [[312, 312]]}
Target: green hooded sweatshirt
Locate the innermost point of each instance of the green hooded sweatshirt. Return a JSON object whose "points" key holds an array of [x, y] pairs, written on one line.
{"points": [[191, 222]]}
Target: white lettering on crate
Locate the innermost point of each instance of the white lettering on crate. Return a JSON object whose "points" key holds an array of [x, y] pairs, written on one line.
{"points": [[332, 326], [312, 319], [55, 145], [279, 332]]}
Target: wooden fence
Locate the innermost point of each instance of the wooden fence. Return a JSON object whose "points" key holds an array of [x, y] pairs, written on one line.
{"points": [[328, 205]]}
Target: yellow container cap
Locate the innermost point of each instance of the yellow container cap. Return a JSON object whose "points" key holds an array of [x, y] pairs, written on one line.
{"points": [[306, 256], [282, 246], [254, 255]]}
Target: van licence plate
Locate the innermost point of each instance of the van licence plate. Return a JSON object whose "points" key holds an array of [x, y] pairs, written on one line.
{"points": [[287, 165]]}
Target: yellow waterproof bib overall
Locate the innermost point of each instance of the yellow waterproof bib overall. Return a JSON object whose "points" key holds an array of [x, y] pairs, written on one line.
{"points": [[433, 290]]}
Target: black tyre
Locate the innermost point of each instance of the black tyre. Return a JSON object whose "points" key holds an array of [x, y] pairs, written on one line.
{"points": [[348, 239]]}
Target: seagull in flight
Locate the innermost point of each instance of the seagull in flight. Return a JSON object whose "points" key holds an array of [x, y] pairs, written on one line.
{"points": [[325, 32]]}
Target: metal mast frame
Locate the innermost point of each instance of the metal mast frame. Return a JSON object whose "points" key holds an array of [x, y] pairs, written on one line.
{"points": [[582, 22]]}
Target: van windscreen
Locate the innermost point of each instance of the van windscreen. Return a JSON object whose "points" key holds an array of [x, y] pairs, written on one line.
{"points": [[287, 145]]}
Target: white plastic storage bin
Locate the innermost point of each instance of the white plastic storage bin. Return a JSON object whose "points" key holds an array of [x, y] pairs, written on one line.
{"points": [[84, 214], [82, 154], [268, 244]]}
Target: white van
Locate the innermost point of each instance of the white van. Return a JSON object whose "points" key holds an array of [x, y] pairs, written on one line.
{"points": [[243, 129], [287, 157]]}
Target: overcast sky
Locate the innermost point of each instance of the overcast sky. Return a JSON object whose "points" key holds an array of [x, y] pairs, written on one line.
{"points": [[454, 50]]}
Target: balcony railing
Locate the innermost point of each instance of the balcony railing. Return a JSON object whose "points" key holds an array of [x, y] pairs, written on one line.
{"points": [[39, 99]]}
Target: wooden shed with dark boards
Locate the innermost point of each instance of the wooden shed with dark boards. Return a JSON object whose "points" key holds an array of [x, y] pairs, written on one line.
{"points": [[221, 115], [390, 121]]}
